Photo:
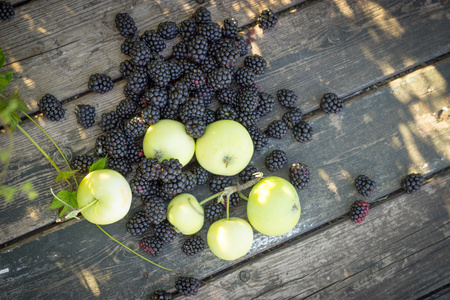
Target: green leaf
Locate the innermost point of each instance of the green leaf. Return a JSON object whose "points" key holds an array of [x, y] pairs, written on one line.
{"points": [[5, 79], [2, 58], [65, 196], [8, 192], [4, 155], [32, 195], [99, 164], [65, 175]]}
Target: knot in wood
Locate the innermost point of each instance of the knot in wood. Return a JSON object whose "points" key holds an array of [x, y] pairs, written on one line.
{"points": [[244, 276]]}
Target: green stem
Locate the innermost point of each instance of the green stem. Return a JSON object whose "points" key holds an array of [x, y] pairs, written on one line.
{"points": [[243, 196], [10, 150], [95, 201], [210, 198], [228, 206]]}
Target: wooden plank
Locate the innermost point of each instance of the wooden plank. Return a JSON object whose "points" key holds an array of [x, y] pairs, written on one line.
{"points": [[399, 252], [385, 134], [54, 47]]}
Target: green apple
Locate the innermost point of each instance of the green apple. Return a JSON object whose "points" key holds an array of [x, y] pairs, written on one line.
{"points": [[230, 239], [111, 192], [168, 139], [225, 148], [185, 213], [273, 206]]}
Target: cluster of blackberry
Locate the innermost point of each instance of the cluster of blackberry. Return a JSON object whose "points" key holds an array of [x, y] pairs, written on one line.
{"points": [[6, 10]]}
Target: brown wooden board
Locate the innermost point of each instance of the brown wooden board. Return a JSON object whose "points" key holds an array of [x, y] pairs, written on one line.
{"points": [[385, 135], [23, 216], [399, 252]]}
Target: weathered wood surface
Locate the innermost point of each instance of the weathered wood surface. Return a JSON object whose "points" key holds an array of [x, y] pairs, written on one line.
{"points": [[396, 134], [399, 252], [54, 47], [22, 216]]}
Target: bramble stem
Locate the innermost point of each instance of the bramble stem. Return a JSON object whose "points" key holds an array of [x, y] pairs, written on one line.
{"points": [[228, 206], [243, 196], [210, 198]]}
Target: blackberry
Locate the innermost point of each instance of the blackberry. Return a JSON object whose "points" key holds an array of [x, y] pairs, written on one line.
{"points": [[359, 211], [267, 19], [201, 175], [187, 285], [214, 211], [161, 295], [230, 28], [218, 183], [364, 185], [244, 76], [227, 96], [170, 169], [85, 115], [211, 31], [299, 175], [154, 41], [226, 56], [266, 104], [331, 103], [135, 127], [177, 185], [193, 108], [126, 67], [138, 223], [126, 108], [152, 245], [150, 168], [215, 47], [154, 189], [277, 129], [412, 183], [248, 119], [165, 231], [241, 44], [156, 96], [256, 63], [159, 72], [302, 132], [137, 80], [187, 65], [209, 64], [135, 153], [226, 112], [180, 51], [195, 127], [168, 30], [205, 93], [130, 94], [151, 115], [259, 138], [141, 54], [169, 112], [208, 117], [117, 143], [139, 185], [120, 164], [247, 174], [197, 48], [187, 29], [176, 71], [193, 245], [248, 99], [100, 83], [287, 98], [234, 200], [292, 117], [6, 10], [82, 163], [202, 16], [276, 160], [128, 44], [125, 24], [155, 210], [178, 94], [109, 121], [194, 79], [51, 108], [100, 146], [191, 181]]}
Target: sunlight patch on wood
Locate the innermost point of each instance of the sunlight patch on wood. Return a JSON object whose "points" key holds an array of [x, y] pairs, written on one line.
{"points": [[345, 9], [384, 20], [331, 186], [91, 282], [32, 213], [384, 66], [17, 67], [414, 153], [29, 83]]}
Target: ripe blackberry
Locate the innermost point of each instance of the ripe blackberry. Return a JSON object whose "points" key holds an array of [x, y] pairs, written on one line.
{"points": [[152, 245], [215, 47], [100, 146], [100, 83], [170, 169], [193, 245], [292, 117], [168, 30], [259, 138], [141, 54], [234, 200], [202, 16], [168, 112], [277, 129], [187, 285], [155, 210], [302, 132], [228, 96], [208, 65], [248, 119], [154, 189], [187, 65], [247, 174], [331, 103], [82, 163], [266, 104], [230, 28], [211, 31], [194, 79], [244, 76], [205, 93], [412, 183], [120, 164], [139, 185], [51, 108], [151, 114], [214, 211], [6, 10], [191, 181], [276, 160], [128, 43], [177, 185], [201, 175], [176, 71], [218, 183], [359, 211], [193, 108], [159, 72], [287, 98], [137, 80], [195, 127], [299, 175], [85, 115], [161, 295], [241, 44], [150, 168], [165, 231], [126, 108], [156, 96], [154, 41], [135, 127], [117, 143], [256, 63], [126, 67], [197, 48], [226, 112], [248, 99], [364, 185], [130, 94], [179, 51], [267, 19], [125, 24], [187, 29], [138, 223], [208, 117], [178, 94], [135, 153]]}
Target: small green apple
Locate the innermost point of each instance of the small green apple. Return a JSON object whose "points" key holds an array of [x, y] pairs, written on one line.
{"points": [[230, 239], [225, 148], [168, 139], [111, 190], [273, 206], [185, 213]]}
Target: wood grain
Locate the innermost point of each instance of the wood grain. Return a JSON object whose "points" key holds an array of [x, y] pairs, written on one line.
{"points": [[399, 252], [385, 135]]}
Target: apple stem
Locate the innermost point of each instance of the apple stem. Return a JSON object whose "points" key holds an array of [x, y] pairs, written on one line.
{"points": [[95, 201], [212, 197], [228, 206]]}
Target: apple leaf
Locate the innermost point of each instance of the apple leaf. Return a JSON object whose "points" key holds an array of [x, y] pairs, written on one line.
{"points": [[65, 175], [5, 79], [7, 192], [99, 164], [2, 58], [70, 198], [27, 188]]}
